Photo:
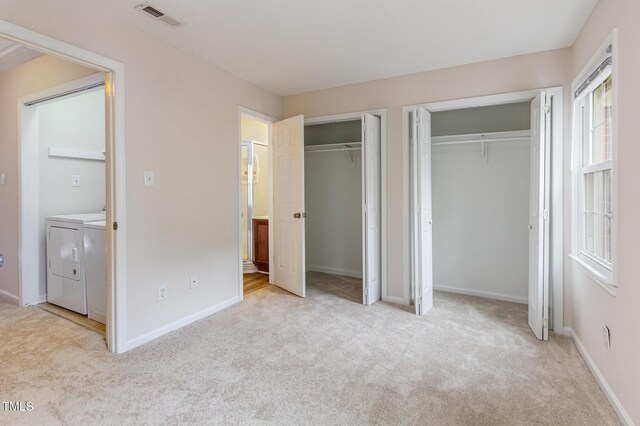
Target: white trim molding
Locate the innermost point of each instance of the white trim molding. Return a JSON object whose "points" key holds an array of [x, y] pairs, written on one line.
{"points": [[9, 296], [611, 396], [115, 170], [483, 294], [182, 322], [600, 272], [334, 271]]}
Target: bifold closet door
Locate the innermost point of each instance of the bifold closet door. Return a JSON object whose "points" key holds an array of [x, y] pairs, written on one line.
{"points": [[371, 265], [539, 217], [421, 219], [288, 205]]}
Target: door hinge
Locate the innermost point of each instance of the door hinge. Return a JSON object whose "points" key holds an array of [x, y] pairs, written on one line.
{"points": [[545, 214], [545, 322], [115, 226], [547, 108]]}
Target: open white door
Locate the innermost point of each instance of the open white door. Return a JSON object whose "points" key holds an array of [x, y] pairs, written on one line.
{"points": [[421, 219], [539, 218], [288, 204], [371, 266]]}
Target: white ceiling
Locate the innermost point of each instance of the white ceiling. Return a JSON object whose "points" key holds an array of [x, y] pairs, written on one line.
{"points": [[13, 55], [292, 46]]}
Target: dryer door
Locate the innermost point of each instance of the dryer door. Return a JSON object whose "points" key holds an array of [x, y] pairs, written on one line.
{"points": [[64, 252]]}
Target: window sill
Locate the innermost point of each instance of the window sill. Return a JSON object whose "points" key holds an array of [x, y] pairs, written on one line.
{"points": [[603, 281]]}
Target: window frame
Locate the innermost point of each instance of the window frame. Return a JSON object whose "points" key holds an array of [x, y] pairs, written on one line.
{"points": [[601, 271]]}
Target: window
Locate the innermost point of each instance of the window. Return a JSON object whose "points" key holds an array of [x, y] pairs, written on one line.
{"points": [[593, 176]]}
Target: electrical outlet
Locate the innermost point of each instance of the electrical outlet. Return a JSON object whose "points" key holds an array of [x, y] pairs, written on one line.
{"points": [[606, 334], [75, 180], [162, 292], [194, 281]]}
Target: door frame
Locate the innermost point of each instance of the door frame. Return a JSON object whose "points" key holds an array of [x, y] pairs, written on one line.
{"points": [[116, 324], [556, 243], [249, 145], [383, 181], [263, 118]]}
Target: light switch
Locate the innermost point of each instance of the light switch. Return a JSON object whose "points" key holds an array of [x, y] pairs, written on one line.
{"points": [[75, 180], [3, 179], [148, 178]]}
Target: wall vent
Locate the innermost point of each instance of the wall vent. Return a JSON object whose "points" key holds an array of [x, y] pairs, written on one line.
{"points": [[159, 15]]}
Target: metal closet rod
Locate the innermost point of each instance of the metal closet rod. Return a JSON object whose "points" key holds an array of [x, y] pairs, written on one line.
{"points": [[334, 147], [522, 138]]}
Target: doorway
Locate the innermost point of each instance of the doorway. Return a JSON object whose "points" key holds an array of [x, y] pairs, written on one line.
{"points": [[288, 199], [333, 206], [342, 190], [489, 233], [115, 265], [63, 198], [255, 200]]}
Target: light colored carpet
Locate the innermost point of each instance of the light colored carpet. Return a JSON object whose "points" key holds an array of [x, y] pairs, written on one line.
{"points": [[326, 359], [74, 317]]}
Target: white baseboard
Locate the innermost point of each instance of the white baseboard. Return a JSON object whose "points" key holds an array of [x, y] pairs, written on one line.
{"points": [[334, 271], [484, 294], [392, 299], [154, 334], [9, 296], [613, 399]]}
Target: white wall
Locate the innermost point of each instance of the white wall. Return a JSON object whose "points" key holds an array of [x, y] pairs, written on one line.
{"points": [[182, 123], [333, 202], [591, 305], [480, 218], [34, 76], [75, 122]]}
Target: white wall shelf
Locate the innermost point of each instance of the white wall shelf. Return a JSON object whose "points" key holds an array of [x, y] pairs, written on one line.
{"points": [[76, 153], [481, 137]]}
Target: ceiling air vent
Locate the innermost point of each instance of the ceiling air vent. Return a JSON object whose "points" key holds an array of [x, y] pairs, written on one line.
{"points": [[159, 16]]}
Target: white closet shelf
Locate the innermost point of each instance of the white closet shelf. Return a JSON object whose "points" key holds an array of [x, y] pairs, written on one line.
{"points": [[520, 135], [334, 147], [76, 153]]}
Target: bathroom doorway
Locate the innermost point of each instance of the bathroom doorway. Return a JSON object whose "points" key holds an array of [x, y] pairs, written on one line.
{"points": [[255, 189]]}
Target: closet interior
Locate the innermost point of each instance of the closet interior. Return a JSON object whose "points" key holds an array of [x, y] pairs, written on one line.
{"points": [[481, 188], [333, 203]]}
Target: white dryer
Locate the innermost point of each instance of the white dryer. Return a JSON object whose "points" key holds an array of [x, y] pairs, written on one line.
{"points": [[66, 284], [95, 257]]}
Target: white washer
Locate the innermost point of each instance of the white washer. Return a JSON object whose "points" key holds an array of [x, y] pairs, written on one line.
{"points": [[66, 285], [95, 255]]}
